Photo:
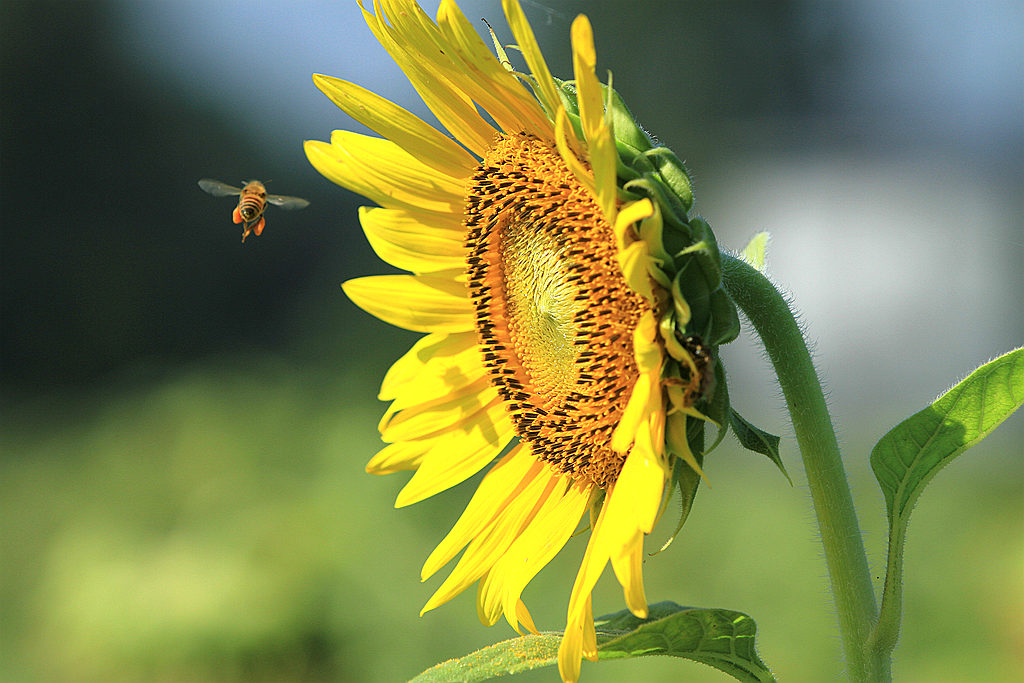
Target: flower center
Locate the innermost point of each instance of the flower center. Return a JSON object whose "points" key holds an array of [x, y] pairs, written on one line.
{"points": [[555, 316]]}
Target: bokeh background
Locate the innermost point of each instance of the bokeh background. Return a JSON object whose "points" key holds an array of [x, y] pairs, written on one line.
{"points": [[185, 419]]}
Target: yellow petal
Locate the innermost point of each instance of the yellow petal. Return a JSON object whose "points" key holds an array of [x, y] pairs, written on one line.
{"points": [[570, 650], [422, 303], [548, 532], [589, 635], [405, 242], [634, 413], [601, 143], [494, 539], [436, 365], [396, 174], [646, 394], [631, 507], [527, 43], [628, 566], [453, 109], [595, 558], [523, 615], [424, 419], [455, 457], [486, 80], [568, 148], [675, 436], [342, 168], [635, 263], [603, 157], [588, 89], [411, 133], [398, 456], [634, 503], [627, 217], [503, 479]]}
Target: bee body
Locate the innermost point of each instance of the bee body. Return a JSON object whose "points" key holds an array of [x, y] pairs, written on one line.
{"points": [[252, 202]]}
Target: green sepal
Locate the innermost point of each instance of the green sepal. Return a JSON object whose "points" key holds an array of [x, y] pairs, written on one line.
{"points": [[686, 479], [717, 408], [673, 173], [725, 319], [672, 208], [625, 172], [567, 93], [705, 250], [757, 440], [690, 286], [627, 130]]}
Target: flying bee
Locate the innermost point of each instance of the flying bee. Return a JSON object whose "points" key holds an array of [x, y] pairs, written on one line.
{"points": [[252, 202]]}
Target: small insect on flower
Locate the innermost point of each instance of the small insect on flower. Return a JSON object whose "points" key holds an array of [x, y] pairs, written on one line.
{"points": [[252, 202]]}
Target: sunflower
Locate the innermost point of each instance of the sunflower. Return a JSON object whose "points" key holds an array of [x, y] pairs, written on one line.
{"points": [[558, 346]]}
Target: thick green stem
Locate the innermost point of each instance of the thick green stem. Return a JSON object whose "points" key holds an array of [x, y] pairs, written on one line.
{"points": [[848, 571]]}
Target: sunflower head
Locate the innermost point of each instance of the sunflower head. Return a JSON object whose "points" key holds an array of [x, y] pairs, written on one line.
{"points": [[572, 307]]}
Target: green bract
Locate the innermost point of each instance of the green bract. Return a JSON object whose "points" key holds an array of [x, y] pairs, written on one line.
{"points": [[701, 311]]}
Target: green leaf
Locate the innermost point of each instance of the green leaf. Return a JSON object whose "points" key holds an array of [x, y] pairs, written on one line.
{"points": [[906, 458], [755, 251], [755, 439], [507, 657], [720, 638]]}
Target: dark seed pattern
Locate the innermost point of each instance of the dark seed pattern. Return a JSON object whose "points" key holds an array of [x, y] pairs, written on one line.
{"points": [[566, 376]]}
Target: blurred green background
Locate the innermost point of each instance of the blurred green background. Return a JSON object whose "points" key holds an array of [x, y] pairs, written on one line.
{"points": [[185, 420]]}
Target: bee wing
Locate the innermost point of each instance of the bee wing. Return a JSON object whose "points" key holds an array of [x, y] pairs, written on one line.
{"points": [[219, 189], [288, 203]]}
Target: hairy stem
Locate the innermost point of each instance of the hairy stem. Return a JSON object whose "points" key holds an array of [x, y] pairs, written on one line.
{"points": [[770, 315]]}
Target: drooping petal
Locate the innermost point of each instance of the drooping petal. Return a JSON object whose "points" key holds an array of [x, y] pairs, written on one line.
{"points": [[497, 486], [536, 546], [580, 640], [495, 538], [458, 455]]}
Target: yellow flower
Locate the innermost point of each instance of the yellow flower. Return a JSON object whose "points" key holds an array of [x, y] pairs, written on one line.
{"points": [[537, 283]]}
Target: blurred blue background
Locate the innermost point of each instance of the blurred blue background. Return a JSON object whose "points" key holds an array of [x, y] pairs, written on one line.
{"points": [[185, 420]]}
